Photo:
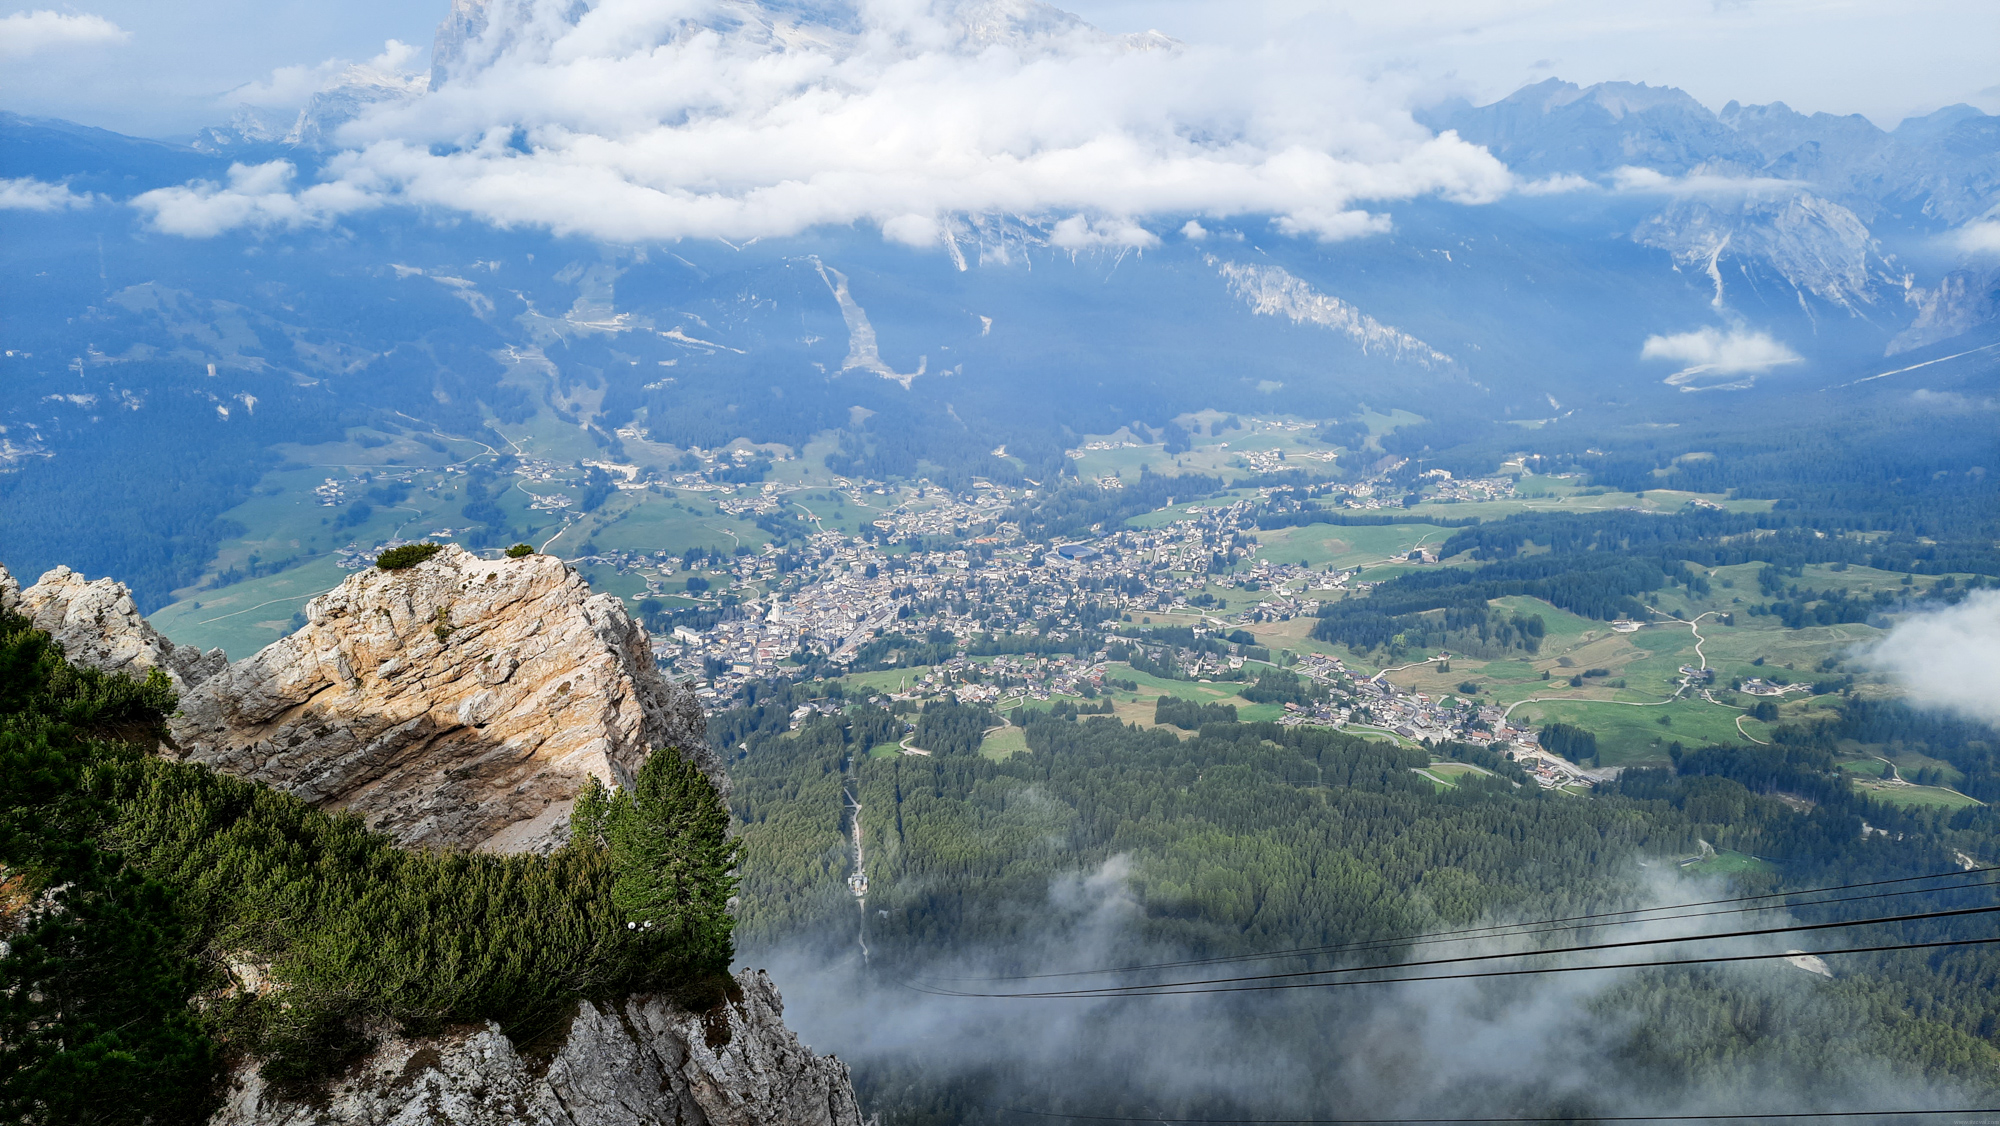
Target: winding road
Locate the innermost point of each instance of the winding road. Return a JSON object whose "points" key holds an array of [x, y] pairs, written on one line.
{"points": [[857, 879]]}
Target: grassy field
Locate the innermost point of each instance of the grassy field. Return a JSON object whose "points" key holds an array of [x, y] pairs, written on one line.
{"points": [[1543, 494], [1000, 744], [606, 580], [1151, 688], [1914, 797], [1437, 780], [1647, 662], [1332, 545], [1218, 454], [1160, 518], [675, 522], [1727, 862], [884, 680], [245, 617], [1908, 762], [1126, 463], [1631, 735]]}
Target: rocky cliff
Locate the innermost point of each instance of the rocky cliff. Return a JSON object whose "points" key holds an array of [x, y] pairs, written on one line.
{"points": [[638, 1062], [460, 702], [98, 624]]}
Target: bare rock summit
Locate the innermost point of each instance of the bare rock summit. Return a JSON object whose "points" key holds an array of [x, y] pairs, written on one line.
{"points": [[99, 626], [460, 702]]}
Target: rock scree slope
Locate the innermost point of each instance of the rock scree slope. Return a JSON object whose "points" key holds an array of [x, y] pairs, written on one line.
{"points": [[460, 702]]}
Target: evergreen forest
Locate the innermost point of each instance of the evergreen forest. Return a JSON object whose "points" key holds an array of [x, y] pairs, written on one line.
{"points": [[167, 923], [1222, 838]]}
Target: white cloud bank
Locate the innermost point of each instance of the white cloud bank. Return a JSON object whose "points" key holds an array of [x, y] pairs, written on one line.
{"points": [[1709, 351], [32, 33], [1948, 658], [651, 120], [1645, 181], [1981, 237], [257, 196], [29, 194]]}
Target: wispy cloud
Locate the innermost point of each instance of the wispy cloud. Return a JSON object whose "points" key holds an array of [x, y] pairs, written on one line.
{"points": [[292, 86], [29, 194], [32, 33], [1981, 237], [257, 196], [1646, 181], [1949, 658], [1709, 351]]}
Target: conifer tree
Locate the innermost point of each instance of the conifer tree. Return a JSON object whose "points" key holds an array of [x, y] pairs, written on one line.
{"points": [[673, 855]]}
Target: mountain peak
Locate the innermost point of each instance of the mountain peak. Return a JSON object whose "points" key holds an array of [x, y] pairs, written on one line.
{"points": [[1616, 98], [461, 702], [1937, 123]]}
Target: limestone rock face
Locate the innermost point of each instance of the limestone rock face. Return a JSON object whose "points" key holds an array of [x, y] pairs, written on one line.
{"points": [[457, 703], [636, 1062], [99, 626]]}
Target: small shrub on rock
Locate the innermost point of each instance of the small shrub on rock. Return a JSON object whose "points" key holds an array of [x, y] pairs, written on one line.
{"points": [[408, 555]]}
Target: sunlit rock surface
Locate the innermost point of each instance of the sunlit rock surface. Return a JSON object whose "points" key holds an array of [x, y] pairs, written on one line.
{"points": [[458, 703]]}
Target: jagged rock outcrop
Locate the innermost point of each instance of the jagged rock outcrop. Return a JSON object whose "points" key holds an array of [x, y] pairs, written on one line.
{"points": [[98, 625], [459, 702], [637, 1062], [463, 702]]}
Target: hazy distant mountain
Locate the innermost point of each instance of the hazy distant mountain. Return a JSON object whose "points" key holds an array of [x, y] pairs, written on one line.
{"points": [[1942, 167], [1820, 201]]}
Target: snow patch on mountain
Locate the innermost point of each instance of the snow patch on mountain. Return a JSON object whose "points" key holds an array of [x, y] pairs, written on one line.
{"points": [[1273, 291]]}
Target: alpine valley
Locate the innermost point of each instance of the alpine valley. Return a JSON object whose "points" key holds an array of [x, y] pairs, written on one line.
{"points": [[499, 598]]}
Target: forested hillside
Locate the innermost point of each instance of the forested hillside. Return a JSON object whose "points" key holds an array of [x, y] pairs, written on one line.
{"points": [[1246, 837]]}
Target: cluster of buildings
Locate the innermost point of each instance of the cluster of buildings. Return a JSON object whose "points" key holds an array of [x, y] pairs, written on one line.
{"points": [[1446, 488], [698, 467], [542, 470], [952, 567], [1372, 702], [935, 569], [936, 512]]}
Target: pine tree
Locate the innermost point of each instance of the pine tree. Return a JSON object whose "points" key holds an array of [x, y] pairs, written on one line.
{"points": [[673, 855], [590, 816]]}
